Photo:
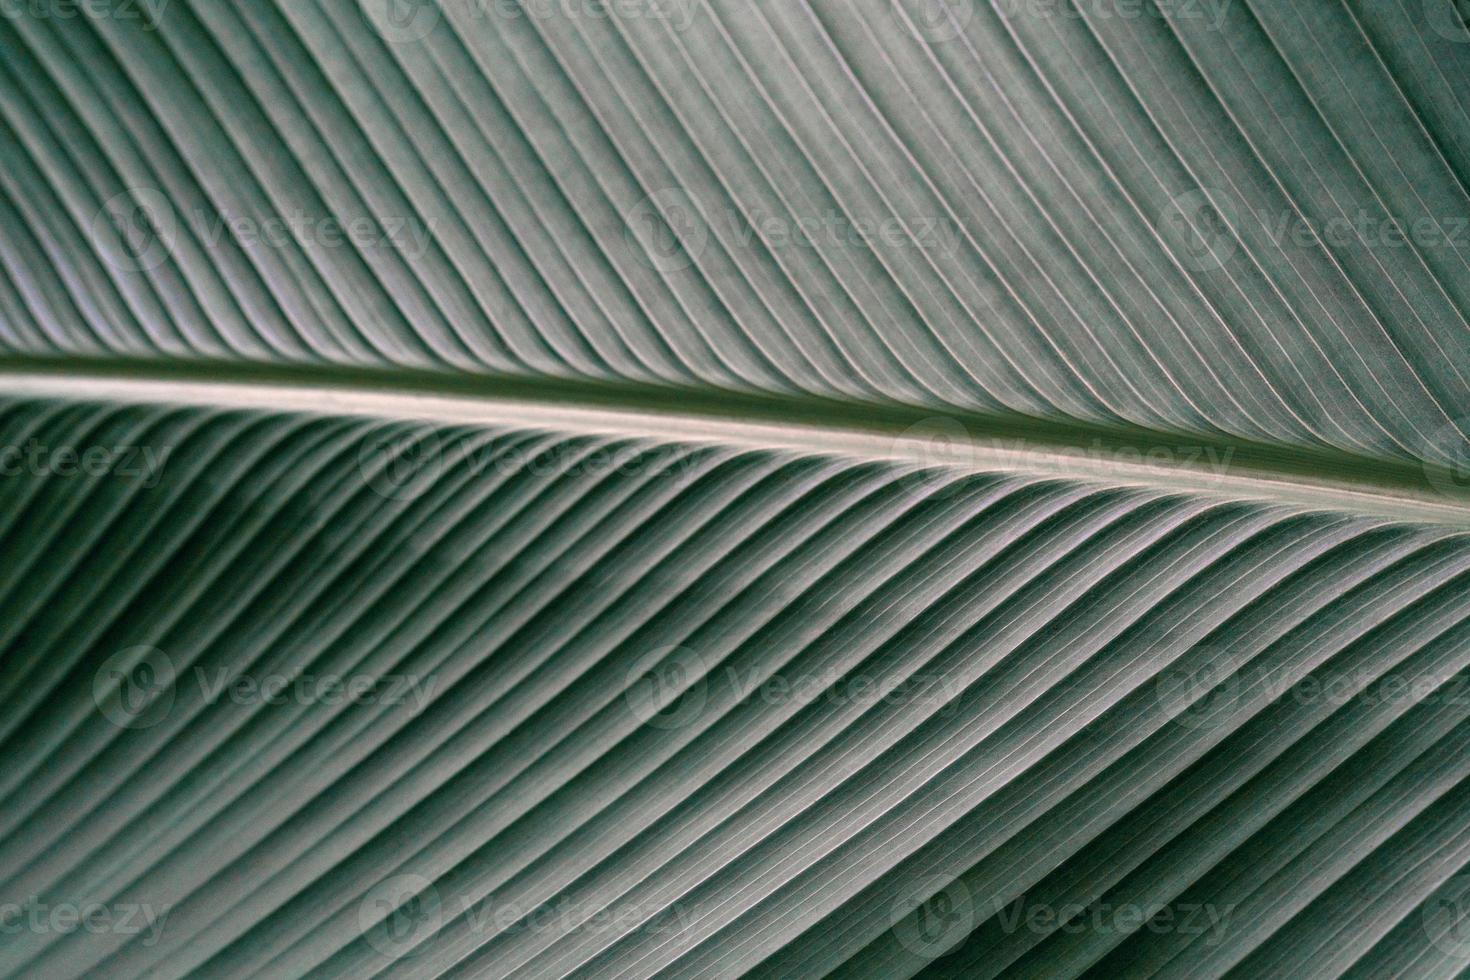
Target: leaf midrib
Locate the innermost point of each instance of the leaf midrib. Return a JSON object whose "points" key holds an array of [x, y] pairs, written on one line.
{"points": [[1303, 476]]}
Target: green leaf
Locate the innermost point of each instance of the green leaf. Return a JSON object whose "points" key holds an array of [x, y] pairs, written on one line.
{"points": [[701, 488]]}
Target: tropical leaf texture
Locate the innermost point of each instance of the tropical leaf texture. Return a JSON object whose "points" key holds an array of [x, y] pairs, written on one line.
{"points": [[702, 488]]}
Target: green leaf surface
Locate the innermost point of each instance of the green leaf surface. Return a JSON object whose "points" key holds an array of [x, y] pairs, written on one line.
{"points": [[697, 488]]}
